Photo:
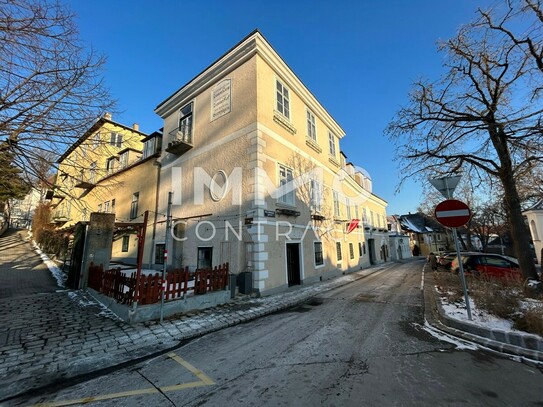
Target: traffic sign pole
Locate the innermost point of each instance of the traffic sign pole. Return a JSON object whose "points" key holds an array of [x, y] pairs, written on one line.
{"points": [[452, 213]]}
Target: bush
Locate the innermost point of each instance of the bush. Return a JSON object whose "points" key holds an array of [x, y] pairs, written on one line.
{"points": [[52, 242], [498, 297]]}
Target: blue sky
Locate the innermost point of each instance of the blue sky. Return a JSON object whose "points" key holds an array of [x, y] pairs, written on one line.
{"points": [[359, 59]]}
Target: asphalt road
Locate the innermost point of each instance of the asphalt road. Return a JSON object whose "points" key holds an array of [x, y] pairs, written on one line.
{"points": [[359, 345]]}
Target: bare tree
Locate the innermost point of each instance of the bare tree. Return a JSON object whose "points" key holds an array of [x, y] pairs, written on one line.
{"points": [[51, 88], [484, 116]]}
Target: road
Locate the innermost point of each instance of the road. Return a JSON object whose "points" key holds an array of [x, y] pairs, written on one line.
{"points": [[359, 345]]}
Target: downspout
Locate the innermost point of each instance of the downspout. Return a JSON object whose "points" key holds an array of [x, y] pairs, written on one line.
{"points": [[159, 168]]}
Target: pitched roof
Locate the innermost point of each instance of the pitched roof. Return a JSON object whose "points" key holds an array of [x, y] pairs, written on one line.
{"points": [[419, 223]]}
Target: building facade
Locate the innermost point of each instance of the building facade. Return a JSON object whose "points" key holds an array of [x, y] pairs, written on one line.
{"points": [[112, 168], [257, 178]]}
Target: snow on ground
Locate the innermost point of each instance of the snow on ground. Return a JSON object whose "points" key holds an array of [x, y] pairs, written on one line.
{"points": [[58, 275]]}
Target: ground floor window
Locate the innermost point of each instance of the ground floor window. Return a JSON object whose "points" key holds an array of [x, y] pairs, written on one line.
{"points": [[319, 260], [338, 251], [160, 248], [126, 239], [351, 251], [359, 249], [205, 255]]}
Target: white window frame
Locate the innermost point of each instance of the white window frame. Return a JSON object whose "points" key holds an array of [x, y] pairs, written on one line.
{"points": [[332, 144], [149, 148], [348, 206], [115, 139], [185, 130], [316, 195], [285, 176], [339, 254], [311, 125], [337, 209], [315, 253], [282, 99]]}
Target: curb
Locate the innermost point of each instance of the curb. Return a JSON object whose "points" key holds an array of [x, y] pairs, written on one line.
{"points": [[524, 346]]}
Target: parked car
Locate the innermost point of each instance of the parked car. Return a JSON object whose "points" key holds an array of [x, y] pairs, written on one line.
{"points": [[444, 260], [488, 265]]}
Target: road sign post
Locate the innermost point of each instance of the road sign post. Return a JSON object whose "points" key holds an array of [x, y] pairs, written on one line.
{"points": [[452, 213]]}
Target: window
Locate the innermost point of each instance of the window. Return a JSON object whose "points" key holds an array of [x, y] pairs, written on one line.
{"points": [[96, 141], [126, 239], [359, 249], [319, 260], [149, 148], [337, 213], [316, 195], [113, 206], [351, 251], [123, 160], [92, 172], [205, 255], [338, 251], [99, 207], [348, 206], [115, 139], [134, 205], [160, 248], [110, 165], [364, 215], [356, 214], [332, 144], [311, 127], [106, 207], [283, 99], [185, 124], [285, 176], [84, 213]]}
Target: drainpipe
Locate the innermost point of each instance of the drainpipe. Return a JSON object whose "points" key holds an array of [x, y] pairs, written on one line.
{"points": [[159, 168]]}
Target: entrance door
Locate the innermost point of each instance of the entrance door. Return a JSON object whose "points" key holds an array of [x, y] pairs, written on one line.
{"points": [[293, 264], [371, 249]]}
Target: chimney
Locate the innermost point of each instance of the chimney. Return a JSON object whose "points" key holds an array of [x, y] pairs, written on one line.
{"points": [[136, 126], [107, 115]]}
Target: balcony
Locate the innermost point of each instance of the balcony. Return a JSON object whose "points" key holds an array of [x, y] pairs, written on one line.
{"points": [[179, 142], [60, 217]]}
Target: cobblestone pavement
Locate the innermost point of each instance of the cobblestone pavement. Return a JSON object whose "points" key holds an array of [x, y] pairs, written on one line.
{"points": [[50, 336]]}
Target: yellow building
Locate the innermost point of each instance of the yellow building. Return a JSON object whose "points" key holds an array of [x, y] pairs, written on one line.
{"points": [[111, 168], [258, 178]]}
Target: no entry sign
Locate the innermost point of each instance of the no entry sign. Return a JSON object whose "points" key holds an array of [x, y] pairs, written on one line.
{"points": [[452, 213]]}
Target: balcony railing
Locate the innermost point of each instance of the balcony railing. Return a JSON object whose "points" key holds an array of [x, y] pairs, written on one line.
{"points": [[179, 142]]}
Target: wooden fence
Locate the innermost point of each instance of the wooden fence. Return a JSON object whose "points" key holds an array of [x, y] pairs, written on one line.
{"points": [[148, 290]]}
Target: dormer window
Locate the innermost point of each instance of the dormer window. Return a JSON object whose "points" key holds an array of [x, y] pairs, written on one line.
{"points": [[149, 148], [123, 159], [110, 165]]}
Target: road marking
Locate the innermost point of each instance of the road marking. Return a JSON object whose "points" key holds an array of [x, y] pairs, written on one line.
{"points": [[204, 381]]}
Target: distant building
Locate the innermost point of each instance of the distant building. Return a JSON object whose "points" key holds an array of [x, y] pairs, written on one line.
{"points": [[535, 221], [425, 234]]}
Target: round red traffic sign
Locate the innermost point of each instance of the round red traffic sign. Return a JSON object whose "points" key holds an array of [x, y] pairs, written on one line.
{"points": [[452, 213]]}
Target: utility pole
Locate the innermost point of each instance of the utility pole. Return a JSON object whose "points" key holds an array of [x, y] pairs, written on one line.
{"points": [[166, 240]]}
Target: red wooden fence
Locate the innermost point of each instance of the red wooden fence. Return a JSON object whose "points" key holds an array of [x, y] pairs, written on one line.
{"points": [[148, 290]]}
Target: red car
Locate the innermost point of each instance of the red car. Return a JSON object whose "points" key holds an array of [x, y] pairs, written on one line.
{"points": [[489, 265]]}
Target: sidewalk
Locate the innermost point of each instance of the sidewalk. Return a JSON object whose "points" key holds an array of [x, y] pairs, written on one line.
{"points": [[52, 337]]}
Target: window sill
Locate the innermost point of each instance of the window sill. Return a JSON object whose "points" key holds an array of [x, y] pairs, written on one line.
{"points": [[333, 161], [313, 144], [283, 121]]}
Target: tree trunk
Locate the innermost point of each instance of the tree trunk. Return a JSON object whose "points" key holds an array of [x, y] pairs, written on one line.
{"points": [[520, 234]]}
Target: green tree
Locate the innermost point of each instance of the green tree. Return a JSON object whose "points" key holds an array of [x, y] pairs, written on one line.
{"points": [[12, 185], [484, 116]]}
